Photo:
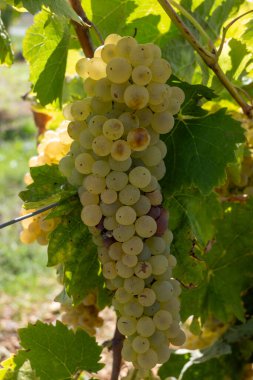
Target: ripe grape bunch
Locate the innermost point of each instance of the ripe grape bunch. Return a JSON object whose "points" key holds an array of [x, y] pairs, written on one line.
{"points": [[116, 161]]}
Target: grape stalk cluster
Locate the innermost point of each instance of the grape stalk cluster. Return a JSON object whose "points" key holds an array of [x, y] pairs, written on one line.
{"points": [[116, 161]]}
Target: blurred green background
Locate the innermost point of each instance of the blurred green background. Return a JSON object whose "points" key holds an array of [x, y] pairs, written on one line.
{"points": [[25, 281]]}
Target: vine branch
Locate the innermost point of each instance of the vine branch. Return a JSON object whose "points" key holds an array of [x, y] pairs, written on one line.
{"points": [[23, 217], [210, 58], [82, 31], [117, 344]]}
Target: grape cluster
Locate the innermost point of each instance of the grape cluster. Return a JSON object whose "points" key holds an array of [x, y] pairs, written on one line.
{"points": [[116, 160], [37, 228], [84, 315], [53, 146]]}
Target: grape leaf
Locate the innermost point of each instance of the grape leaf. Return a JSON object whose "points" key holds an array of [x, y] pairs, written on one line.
{"points": [[45, 47], [59, 7], [57, 353], [6, 53], [200, 211], [70, 244], [240, 59], [199, 150], [173, 366], [219, 292], [48, 186]]}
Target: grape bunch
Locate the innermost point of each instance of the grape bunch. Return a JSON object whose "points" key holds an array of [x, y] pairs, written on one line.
{"points": [[53, 146], [116, 161], [84, 315]]}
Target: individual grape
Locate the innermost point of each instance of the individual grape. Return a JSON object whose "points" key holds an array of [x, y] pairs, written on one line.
{"points": [[118, 70], [109, 209], [136, 97], [113, 129], [156, 244], [126, 325], [133, 309], [125, 45], [100, 106], [173, 330], [151, 156], [125, 215], [124, 270], [91, 215], [178, 93], [97, 52], [152, 186], [134, 285], [87, 198], [120, 150], [83, 163], [82, 67], [129, 260], [101, 146], [159, 264], [159, 170], [109, 196], [96, 68], [75, 178], [162, 147], [156, 91], [145, 253], [161, 70], [130, 121], [109, 270], [116, 180], [86, 139], [66, 165], [142, 54], [143, 269], [129, 195], [108, 52], [145, 226], [141, 75], [75, 128], [139, 177], [120, 166], [142, 206], [89, 86], [122, 295], [163, 352], [162, 320], [96, 124], [173, 106], [103, 255], [145, 116], [147, 297], [156, 198], [103, 89], [112, 39], [133, 246], [162, 122], [147, 360], [140, 344], [145, 327], [115, 251], [123, 233], [100, 168], [163, 290], [94, 184], [118, 90], [138, 139], [179, 339], [80, 109]]}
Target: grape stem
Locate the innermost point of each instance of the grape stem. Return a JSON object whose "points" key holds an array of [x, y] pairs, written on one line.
{"points": [[82, 30], [209, 57], [117, 344], [31, 214]]}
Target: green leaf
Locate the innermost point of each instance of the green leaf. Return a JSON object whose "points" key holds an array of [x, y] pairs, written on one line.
{"points": [[71, 244], [200, 211], [45, 47], [173, 367], [57, 353], [48, 186], [6, 53], [59, 7], [240, 59], [219, 292], [199, 150]]}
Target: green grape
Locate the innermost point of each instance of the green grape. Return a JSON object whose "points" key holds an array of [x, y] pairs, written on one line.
{"points": [[126, 325], [145, 226], [141, 75], [123, 233], [108, 52], [147, 297], [118, 70], [109, 196], [91, 215], [133, 309], [120, 150], [94, 184], [116, 180], [125, 45], [101, 168], [142, 54], [145, 327], [133, 246], [140, 344], [87, 198], [101, 146], [83, 163], [113, 129], [161, 70], [140, 177], [125, 215], [143, 269], [136, 97]]}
